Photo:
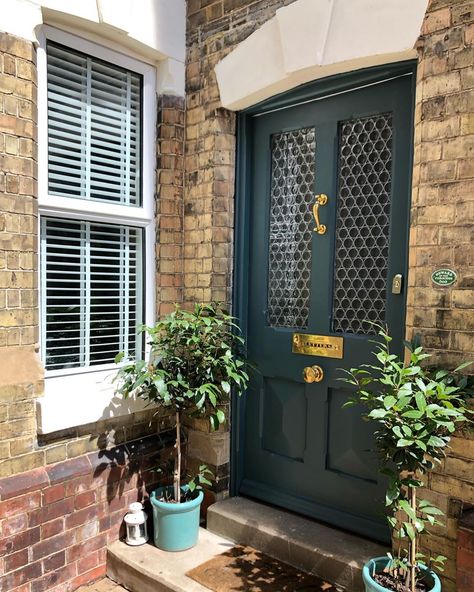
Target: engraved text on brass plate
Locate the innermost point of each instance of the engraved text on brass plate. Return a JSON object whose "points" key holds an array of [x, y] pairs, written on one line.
{"points": [[318, 345]]}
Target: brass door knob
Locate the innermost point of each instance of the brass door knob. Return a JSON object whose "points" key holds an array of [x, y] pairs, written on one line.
{"points": [[313, 374]]}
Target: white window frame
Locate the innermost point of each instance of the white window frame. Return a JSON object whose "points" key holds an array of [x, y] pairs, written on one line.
{"points": [[91, 387]]}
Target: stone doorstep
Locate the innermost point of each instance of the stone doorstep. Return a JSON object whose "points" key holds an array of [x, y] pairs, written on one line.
{"points": [[333, 555], [148, 569], [329, 553]]}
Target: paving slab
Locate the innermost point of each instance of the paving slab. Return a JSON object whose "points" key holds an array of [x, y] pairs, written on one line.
{"points": [[103, 585], [332, 554], [148, 569]]}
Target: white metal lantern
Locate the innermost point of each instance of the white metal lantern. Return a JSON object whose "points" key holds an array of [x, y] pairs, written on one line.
{"points": [[135, 522]]}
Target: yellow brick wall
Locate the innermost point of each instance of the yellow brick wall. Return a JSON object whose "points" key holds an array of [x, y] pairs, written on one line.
{"points": [[18, 187], [213, 29], [443, 183], [169, 203], [442, 219], [21, 373]]}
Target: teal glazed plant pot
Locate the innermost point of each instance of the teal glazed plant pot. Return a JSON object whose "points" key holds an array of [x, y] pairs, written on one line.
{"points": [[176, 526], [380, 563]]}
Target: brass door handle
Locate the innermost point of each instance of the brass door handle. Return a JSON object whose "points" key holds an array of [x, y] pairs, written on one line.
{"points": [[321, 200], [313, 374]]}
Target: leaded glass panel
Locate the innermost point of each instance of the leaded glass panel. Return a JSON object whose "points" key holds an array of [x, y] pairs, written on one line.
{"points": [[292, 186], [363, 223]]}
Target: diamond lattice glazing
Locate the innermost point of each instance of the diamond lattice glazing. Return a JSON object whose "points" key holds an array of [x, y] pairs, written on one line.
{"points": [[292, 186], [363, 223]]}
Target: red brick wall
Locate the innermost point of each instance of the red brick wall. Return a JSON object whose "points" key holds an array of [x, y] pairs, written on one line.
{"points": [[56, 521]]}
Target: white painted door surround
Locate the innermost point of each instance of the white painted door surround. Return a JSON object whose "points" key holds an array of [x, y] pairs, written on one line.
{"points": [[311, 39]]}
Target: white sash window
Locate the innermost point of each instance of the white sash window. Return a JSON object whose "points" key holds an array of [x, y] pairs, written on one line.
{"points": [[96, 190]]}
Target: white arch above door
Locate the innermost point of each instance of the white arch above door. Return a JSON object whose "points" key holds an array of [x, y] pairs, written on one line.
{"points": [[311, 39]]}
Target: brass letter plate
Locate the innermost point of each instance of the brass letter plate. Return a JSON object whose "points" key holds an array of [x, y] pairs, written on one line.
{"points": [[318, 345]]}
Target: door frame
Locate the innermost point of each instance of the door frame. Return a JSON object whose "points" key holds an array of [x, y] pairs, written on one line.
{"points": [[309, 92]]}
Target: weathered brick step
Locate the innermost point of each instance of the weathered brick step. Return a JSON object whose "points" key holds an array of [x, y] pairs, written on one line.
{"points": [[148, 569], [331, 554]]}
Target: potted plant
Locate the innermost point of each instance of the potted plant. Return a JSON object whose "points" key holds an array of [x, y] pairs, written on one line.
{"points": [[195, 361], [416, 410]]}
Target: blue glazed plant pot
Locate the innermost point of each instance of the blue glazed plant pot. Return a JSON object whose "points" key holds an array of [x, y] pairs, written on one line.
{"points": [[380, 563], [176, 526]]}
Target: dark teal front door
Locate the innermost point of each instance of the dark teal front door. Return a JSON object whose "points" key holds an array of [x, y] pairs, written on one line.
{"points": [[328, 200]]}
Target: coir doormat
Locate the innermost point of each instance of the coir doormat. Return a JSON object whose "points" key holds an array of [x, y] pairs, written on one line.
{"points": [[243, 569]]}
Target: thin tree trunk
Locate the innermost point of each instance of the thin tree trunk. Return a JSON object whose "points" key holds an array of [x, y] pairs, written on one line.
{"points": [[413, 543], [177, 461]]}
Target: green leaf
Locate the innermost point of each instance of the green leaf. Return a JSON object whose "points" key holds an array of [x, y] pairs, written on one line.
{"points": [[389, 401], [403, 401], [421, 444], [462, 366], [413, 414], [432, 511], [405, 506], [220, 416], [377, 413], [420, 401], [212, 397], [397, 431], [436, 441], [409, 530], [225, 386]]}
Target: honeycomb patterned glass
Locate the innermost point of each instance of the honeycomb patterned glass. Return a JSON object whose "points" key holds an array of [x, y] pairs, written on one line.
{"points": [[292, 186], [363, 223]]}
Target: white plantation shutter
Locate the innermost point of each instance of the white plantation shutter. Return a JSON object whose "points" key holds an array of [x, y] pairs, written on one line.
{"points": [[94, 128], [91, 276]]}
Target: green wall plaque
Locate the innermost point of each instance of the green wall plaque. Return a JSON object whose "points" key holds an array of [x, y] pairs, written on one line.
{"points": [[444, 277]]}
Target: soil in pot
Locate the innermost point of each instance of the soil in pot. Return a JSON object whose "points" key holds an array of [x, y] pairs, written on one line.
{"points": [[390, 583]]}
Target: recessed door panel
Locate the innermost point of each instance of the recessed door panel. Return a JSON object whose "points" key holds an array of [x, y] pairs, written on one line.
{"points": [[284, 418], [350, 447]]}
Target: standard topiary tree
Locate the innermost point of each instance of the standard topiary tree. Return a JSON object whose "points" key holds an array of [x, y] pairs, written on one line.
{"points": [[416, 410], [196, 359]]}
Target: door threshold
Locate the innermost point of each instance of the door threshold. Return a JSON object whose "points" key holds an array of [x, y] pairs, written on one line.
{"points": [[332, 554]]}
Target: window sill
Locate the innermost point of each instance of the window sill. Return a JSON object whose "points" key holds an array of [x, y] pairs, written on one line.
{"points": [[80, 399]]}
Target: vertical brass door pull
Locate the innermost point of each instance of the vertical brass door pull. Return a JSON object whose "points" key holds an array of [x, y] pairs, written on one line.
{"points": [[321, 200]]}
